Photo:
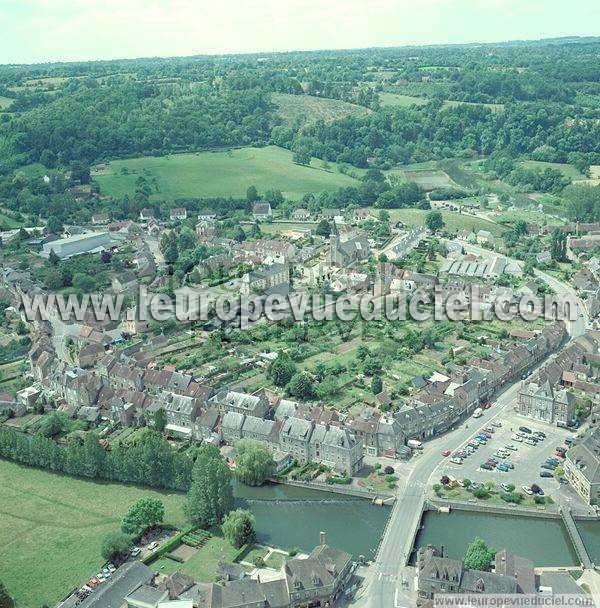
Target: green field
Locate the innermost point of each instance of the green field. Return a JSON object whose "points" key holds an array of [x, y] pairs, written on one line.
{"points": [[307, 108], [396, 100], [51, 529], [223, 173], [564, 168]]}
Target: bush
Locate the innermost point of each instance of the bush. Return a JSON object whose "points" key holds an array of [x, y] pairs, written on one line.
{"points": [[481, 493], [114, 544], [388, 470]]}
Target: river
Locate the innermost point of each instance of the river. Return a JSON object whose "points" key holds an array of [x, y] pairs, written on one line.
{"points": [[544, 541], [291, 517]]}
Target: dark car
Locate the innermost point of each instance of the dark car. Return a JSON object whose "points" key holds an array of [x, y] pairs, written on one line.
{"points": [[547, 465], [486, 466], [524, 429], [546, 474]]}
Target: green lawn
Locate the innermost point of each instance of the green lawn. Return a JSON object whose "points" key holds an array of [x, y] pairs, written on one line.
{"points": [[52, 526], [203, 565], [222, 173]]}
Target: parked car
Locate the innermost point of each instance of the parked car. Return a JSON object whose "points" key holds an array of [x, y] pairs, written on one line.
{"points": [[530, 441], [569, 441], [510, 446], [446, 453], [489, 429], [93, 582], [508, 464], [456, 460], [499, 455], [563, 480], [527, 490], [546, 474], [548, 466], [536, 489], [153, 545], [561, 449], [111, 568], [502, 467], [540, 433], [135, 552], [559, 454], [525, 429], [505, 487], [486, 466], [496, 423]]}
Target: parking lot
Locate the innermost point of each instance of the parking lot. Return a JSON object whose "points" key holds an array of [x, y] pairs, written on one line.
{"points": [[525, 459]]}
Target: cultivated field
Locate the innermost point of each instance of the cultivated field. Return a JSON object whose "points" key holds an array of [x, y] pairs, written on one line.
{"points": [[307, 108], [51, 529], [223, 173], [429, 180]]}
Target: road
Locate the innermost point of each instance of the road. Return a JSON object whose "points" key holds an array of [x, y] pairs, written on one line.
{"points": [[388, 582]]}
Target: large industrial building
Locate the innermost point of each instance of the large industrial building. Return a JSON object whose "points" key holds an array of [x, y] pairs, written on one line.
{"points": [[78, 244]]}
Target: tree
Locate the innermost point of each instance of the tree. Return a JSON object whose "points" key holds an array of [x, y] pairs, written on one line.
{"points": [[478, 556], [210, 496], [53, 259], [5, 600], [160, 420], [238, 527], [376, 385], [254, 462], [434, 221], [371, 366], [171, 251], [143, 514], [54, 225], [301, 386], [114, 544], [323, 229], [251, 194], [558, 245], [281, 370]]}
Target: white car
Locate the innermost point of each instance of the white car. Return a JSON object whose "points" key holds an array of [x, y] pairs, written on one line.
{"points": [[100, 577], [153, 545], [510, 446], [527, 490], [456, 460], [530, 442], [135, 552], [496, 423], [517, 438], [111, 568]]}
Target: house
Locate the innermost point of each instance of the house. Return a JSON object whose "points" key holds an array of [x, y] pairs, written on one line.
{"points": [[301, 215], [266, 278], [9, 406], [543, 257], [542, 402], [100, 218], [242, 403], [89, 242], [329, 214], [261, 211], [124, 281], [484, 237], [361, 214], [207, 215], [146, 214], [582, 467], [437, 574], [132, 323], [317, 580], [178, 213]]}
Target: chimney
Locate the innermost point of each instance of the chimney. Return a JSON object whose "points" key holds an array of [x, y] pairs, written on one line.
{"points": [[321, 538]]}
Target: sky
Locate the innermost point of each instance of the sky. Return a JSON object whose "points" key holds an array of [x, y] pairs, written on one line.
{"points": [[37, 31]]}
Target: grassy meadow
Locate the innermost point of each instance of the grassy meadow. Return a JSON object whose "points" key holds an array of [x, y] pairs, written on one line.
{"points": [[52, 526], [222, 173]]}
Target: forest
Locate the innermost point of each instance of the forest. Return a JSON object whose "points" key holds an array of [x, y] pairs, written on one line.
{"points": [[503, 103]]}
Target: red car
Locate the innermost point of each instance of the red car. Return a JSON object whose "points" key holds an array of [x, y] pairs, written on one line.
{"points": [[446, 453], [559, 454]]}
